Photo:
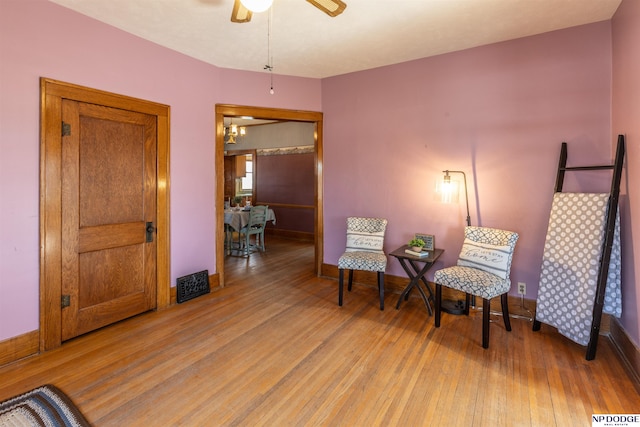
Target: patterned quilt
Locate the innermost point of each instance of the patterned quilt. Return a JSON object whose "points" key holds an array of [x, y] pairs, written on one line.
{"points": [[570, 264]]}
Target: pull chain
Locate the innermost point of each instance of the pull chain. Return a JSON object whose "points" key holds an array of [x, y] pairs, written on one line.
{"points": [[269, 65]]}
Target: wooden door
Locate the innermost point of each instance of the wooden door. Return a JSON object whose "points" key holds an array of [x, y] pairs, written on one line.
{"points": [[108, 215], [229, 177]]}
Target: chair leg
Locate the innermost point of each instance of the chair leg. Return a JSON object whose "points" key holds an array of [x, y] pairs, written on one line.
{"points": [[467, 303], [350, 280], [486, 311], [438, 301], [227, 238], [340, 286], [505, 311], [381, 288]]}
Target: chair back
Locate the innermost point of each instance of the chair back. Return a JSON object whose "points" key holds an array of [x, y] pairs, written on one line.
{"points": [[257, 217], [365, 234], [488, 249]]}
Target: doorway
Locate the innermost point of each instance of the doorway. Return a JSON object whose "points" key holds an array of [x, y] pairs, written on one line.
{"points": [[267, 114], [104, 209]]}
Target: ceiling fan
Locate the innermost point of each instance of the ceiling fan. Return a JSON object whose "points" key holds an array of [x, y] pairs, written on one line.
{"points": [[243, 9]]}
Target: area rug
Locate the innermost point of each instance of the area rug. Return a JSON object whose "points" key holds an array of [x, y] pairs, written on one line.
{"points": [[43, 406]]}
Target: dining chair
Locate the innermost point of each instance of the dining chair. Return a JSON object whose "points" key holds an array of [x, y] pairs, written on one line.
{"points": [[365, 238], [255, 227], [482, 270], [228, 237]]}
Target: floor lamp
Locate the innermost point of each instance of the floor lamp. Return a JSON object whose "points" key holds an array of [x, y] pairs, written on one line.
{"points": [[450, 306], [446, 184]]}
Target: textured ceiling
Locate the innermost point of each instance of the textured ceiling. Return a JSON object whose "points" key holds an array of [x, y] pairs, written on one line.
{"points": [[306, 42]]}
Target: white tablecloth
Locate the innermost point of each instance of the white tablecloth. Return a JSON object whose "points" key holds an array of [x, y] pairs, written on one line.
{"points": [[239, 218]]}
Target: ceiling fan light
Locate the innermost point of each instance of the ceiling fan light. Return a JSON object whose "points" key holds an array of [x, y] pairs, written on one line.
{"points": [[257, 6], [330, 7]]}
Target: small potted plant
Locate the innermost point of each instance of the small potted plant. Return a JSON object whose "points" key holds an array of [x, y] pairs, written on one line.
{"points": [[237, 200], [416, 244]]}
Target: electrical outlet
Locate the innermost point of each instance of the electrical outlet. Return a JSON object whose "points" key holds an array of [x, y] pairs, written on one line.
{"points": [[522, 288]]}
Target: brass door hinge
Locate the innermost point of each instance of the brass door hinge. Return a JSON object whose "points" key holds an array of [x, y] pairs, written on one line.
{"points": [[66, 129], [65, 301]]}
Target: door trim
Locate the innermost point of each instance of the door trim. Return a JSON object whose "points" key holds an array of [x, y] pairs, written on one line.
{"points": [[223, 110], [51, 94]]}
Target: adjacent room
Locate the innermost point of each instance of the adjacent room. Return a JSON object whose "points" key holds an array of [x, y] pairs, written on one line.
{"points": [[322, 111]]}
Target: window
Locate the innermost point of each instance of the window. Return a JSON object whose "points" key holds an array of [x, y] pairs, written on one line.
{"points": [[244, 184]]}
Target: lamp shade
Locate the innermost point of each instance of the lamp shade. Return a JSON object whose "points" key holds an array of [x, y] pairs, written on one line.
{"points": [[448, 190], [257, 6]]}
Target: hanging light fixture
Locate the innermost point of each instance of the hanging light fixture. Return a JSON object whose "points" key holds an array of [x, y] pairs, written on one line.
{"points": [[234, 131], [257, 6]]}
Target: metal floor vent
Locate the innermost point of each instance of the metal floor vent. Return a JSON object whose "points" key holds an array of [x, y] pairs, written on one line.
{"points": [[192, 286]]}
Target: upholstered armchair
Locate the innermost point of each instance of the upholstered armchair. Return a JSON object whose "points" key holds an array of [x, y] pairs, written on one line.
{"points": [[482, 270], [365, 238]]}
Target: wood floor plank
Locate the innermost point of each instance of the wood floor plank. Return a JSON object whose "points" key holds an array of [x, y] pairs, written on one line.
{"points": [[272, 348]]}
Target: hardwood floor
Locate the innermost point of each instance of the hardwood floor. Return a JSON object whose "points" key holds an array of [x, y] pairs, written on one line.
{"points": [[273, 348]]}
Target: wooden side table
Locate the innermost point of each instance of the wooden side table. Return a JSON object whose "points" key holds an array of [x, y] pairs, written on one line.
{"points": [[410, 265]]}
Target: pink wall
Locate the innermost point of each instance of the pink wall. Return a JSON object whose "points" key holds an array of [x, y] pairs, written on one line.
{"points": [[497, 112], [626, 120], [293, 93], [38, 38]]}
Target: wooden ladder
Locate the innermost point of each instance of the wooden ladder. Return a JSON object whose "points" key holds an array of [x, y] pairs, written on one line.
{"points": [[607, 244]]}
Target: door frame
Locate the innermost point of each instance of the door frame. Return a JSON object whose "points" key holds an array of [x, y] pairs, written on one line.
{"points": [[51, 94], [314, 117]]}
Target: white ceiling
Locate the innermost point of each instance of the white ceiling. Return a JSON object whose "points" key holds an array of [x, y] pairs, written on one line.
{"points": [[306, 42]]}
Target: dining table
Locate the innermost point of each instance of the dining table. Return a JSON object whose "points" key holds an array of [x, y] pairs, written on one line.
{"points": [[238, 218]]}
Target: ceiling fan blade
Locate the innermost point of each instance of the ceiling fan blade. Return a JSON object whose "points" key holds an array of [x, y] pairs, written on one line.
{"points": [[240, 13], [330, 7]]}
